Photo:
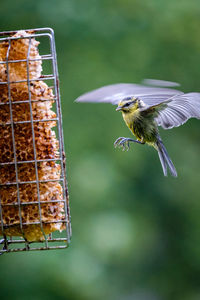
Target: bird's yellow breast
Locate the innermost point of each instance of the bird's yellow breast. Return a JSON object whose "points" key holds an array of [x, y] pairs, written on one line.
{"points": [[143, 128], [131, 117]]}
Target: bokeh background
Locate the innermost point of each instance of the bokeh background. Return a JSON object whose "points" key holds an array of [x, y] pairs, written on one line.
{"points": [[136, 234]]}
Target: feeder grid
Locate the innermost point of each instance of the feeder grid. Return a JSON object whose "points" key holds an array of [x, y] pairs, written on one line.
{"points": [[34, 204]]}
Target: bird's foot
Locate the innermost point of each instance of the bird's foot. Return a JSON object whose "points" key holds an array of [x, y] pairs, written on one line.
{"points": [[124, 143]]}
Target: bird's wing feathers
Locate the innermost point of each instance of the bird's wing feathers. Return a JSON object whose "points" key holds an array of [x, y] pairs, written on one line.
{"points": [[155, 99], [161, 83], [178, 110], [116, 92]]}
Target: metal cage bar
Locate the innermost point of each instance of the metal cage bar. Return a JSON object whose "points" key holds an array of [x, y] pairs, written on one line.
{"points": [[61, 240]]}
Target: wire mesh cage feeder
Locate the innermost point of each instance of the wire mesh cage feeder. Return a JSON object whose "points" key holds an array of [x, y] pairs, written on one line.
{"points": [[34, 205]]}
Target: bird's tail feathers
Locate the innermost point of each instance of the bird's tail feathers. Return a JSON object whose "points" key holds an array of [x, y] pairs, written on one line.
{"points": [[165, 159]]}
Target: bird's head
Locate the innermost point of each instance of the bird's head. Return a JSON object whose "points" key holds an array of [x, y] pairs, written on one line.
{"points": [[128, 104]]}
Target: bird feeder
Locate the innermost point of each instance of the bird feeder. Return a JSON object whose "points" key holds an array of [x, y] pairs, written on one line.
{"points": [[34, 204]]}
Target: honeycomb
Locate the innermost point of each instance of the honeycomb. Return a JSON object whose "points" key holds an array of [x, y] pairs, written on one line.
{"points": [[28, 219]]}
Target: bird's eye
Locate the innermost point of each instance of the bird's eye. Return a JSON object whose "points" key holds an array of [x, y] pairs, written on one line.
{"points": [[127, 104]]}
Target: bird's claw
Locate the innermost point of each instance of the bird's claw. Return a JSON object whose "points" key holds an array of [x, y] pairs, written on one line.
{"points": [[122, 142], [116, 143]]}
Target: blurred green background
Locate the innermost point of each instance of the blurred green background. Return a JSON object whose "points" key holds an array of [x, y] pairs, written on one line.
{"points": [[136, 234]]}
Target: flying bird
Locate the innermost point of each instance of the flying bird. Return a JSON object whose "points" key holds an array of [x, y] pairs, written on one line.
{"points": [[146, 106]]}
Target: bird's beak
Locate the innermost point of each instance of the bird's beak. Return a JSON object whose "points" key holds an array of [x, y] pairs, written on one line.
{"points": [[119, 108]]}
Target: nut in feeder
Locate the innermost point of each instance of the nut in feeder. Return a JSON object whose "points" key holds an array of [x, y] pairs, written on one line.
{"points": [[34, 205]]}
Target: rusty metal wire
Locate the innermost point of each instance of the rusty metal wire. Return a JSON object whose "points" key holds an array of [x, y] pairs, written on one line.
{"points": [[54, 240]]}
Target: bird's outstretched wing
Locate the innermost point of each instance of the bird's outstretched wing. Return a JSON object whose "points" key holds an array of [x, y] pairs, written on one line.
{"points": [[116, 92], [178, 110]]}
